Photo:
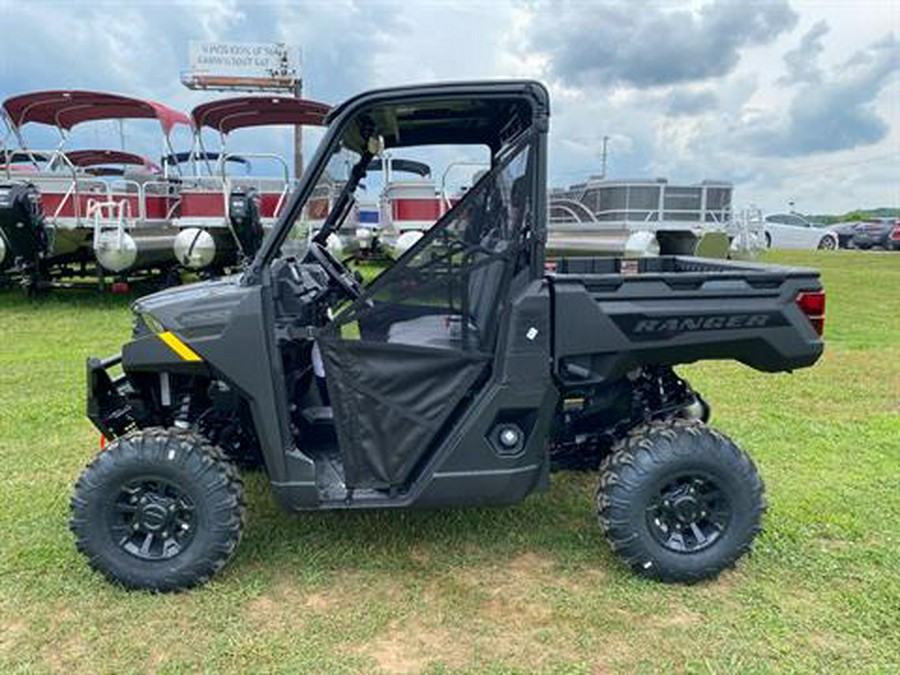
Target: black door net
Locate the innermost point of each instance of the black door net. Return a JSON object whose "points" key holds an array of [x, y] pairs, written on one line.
{"points": [[401, 360]]}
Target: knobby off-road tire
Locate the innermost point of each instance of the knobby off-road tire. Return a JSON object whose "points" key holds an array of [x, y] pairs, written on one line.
{"points": [[678, 501], [159, 509]]}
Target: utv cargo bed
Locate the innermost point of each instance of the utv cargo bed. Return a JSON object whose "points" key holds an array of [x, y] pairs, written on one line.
{"points": [[613, 314]]}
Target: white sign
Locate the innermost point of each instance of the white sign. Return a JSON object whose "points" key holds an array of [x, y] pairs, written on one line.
{"points": [[244, 59]]}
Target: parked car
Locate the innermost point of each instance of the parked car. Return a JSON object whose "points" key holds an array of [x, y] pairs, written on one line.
{"points": [[883, 232], [790, 230], [845, 232]]}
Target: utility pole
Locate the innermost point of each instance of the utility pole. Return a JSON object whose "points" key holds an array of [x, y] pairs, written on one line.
{"points": [[298, 135], [603, 158]]}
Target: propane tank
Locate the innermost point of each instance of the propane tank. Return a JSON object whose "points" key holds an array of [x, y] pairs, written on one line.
{"points": [[194, 248]]}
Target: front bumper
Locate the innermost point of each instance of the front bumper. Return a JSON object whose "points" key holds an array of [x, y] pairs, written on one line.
{"points": [[108, 406]]}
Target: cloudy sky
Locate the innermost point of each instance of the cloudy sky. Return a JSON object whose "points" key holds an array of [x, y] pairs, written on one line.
{"points": [[790, 100]]}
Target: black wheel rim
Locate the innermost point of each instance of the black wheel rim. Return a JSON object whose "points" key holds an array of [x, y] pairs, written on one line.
{"points": [[152, 519], [689, 513]]}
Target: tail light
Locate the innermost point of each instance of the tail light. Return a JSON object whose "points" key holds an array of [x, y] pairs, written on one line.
{"points": [[812, 304], [895, 233]]}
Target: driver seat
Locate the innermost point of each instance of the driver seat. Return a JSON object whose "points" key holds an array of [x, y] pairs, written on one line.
{"points": [[445, 331]]}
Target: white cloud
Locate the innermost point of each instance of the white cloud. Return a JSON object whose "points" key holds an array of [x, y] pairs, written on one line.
{"points": [[681, 92]]}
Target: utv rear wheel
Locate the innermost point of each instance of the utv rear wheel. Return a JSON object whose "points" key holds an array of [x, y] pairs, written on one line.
{"points": [[679, 502], [159, 509]]}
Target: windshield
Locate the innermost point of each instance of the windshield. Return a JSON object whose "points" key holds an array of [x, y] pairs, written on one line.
{"points": [[320, 203], [447, 128]]}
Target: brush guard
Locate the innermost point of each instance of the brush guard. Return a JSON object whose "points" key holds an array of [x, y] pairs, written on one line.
{"points": [[108, 405]]}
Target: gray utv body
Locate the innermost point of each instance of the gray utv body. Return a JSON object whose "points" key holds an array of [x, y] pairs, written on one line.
{"points": [[445, 402]]}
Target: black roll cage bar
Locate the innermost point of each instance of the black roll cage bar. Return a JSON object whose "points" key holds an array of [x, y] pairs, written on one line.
{"points": [[337, 120], [339, 211]]}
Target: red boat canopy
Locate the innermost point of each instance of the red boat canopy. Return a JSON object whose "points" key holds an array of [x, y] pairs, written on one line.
{"points": [[85, 158], [229, 114], [65, 109]]}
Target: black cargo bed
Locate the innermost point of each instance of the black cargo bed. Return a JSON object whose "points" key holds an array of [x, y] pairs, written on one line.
{"points": [[612, 314]]}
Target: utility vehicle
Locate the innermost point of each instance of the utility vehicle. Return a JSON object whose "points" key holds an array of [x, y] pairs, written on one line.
{"points": [[458, 377]]}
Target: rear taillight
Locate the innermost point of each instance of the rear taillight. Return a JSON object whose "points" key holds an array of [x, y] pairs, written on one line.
{"points": [[812, 304], [895, 233]]}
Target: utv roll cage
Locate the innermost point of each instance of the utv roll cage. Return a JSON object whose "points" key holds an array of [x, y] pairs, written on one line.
{"points": [[476, 113]]}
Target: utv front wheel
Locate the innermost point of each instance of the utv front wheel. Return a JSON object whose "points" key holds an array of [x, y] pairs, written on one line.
{"points": [[160, 510], [679, 502]]}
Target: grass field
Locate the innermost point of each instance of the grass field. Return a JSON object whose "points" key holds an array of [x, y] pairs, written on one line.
{"points": [[526, 589]]}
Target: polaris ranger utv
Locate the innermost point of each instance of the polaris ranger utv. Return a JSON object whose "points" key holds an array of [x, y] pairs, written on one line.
{"points": [[456, 378]]}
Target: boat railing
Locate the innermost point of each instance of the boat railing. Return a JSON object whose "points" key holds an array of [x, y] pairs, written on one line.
{"points": [[719, 217], [280, 203], [748, 232], [655, 218], [54, 168], [109, 213], [574, 212], [653, 203], [41, 160], [66, 197], [163, 188], [123, 190], [223, 183], [445, 198]]}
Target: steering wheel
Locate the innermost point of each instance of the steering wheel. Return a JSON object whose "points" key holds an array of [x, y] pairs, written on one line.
{"points": [[338, 273]]}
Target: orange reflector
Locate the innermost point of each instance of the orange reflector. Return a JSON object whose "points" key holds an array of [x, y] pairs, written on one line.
{"points": [[176, 345]]}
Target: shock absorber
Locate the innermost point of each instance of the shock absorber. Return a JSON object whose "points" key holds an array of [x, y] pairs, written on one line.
{"points": [[183, 417]]}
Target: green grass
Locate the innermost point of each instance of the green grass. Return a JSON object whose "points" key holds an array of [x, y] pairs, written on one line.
{"points": [[531, 588]]}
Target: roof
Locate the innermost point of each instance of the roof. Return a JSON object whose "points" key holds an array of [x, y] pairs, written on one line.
{"points": [[449, 89], [226, 115], [184, 157], [488, 112], [85, 158], [66, 108], [403, 165], [22, 156]]}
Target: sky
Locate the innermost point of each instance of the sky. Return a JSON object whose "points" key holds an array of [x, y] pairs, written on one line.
{"points": [[794, 102]]}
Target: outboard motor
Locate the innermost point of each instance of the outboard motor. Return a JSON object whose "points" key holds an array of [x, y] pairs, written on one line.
{"points": [[243, 214], [22, 226]]}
